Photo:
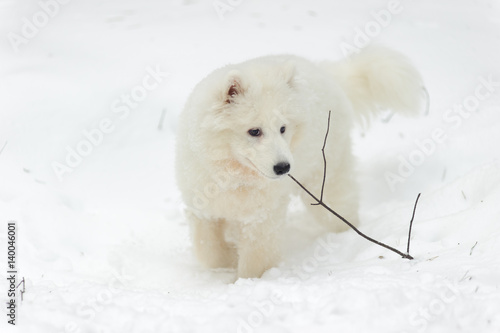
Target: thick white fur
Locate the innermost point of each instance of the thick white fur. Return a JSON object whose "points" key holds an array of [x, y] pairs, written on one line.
{"points": [[236, 203]]}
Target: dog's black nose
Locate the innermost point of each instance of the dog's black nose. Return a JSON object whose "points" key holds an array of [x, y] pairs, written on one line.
{"points": [[281, 168]]}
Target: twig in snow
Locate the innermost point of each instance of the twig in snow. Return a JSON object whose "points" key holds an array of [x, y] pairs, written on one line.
{"points": [[411, 224], [464, 277], [321, 203], [472, 249], [444, 175], [24, 287], [5, 144], [162, 117], [427, 101]]}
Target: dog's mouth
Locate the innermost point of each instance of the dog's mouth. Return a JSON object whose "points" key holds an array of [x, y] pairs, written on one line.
{"points": [[273, 177]]}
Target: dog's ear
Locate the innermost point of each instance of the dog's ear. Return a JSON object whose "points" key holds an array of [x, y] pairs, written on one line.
{"points": [[233, 87], [288, 72]]}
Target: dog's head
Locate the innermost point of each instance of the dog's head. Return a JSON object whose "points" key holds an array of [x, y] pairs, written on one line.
{"points": [[256, 117]]}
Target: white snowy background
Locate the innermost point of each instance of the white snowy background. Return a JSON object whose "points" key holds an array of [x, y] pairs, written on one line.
{"points": [[107, 249]]}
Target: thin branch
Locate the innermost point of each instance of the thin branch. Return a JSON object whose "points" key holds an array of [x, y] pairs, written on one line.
{"points": [[427, 101], [324, 159], [406, 256], [321, 203], [411, 224], [472, 249]]}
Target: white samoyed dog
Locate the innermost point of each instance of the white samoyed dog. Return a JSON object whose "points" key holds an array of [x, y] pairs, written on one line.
{"points": [[246, 126]]}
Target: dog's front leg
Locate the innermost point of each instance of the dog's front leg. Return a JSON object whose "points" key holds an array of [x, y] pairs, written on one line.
{"points": [[209, 244], [258, 249]]}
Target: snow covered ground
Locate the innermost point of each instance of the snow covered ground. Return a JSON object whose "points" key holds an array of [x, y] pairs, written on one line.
{"points": [[90, 93]]}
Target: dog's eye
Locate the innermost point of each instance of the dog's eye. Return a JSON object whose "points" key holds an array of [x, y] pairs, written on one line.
{"points": [[255, 132], [282, 129]]}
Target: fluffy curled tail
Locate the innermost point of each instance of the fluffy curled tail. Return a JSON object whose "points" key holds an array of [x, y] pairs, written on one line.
{"points": [[378, 79]]}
